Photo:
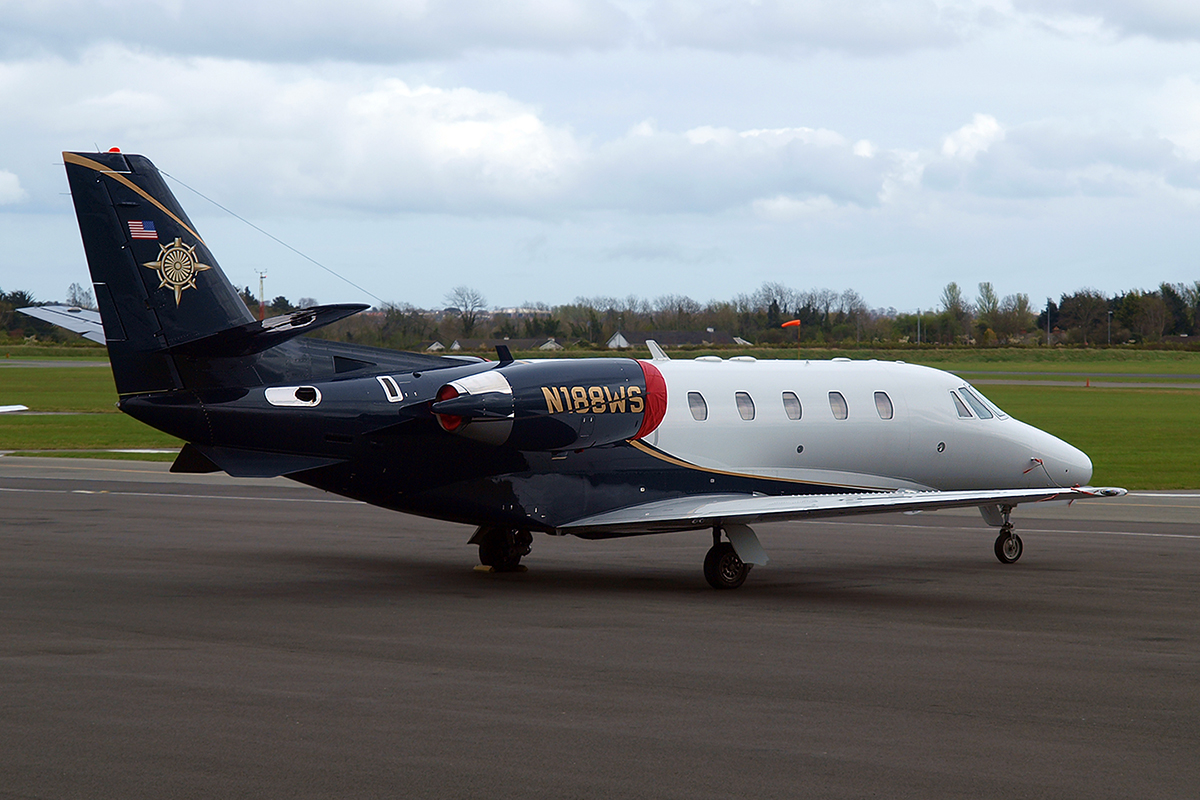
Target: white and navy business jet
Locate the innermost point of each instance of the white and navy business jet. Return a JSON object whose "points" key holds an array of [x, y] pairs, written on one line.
{"points": [[592, 447]]}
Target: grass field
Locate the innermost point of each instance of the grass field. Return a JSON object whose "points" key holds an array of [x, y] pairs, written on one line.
{"points": [[1139, 438]]}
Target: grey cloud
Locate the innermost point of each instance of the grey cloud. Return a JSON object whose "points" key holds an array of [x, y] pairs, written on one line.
{"points": [[883, 26], [378, 31], [668, 173], [646, 250], [1167, 20], [1037, 161]]}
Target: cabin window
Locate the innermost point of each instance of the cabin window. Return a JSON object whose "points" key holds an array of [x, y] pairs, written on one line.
{"points": [[698, 407], [745, 405], [977, 405], [883, 404], [837, 404], [960, 407], [791, 405]]}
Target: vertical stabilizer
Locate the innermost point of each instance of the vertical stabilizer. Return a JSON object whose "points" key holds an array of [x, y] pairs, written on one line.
{"points": [[156, 283]]}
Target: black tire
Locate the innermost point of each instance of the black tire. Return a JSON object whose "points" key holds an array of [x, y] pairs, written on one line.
{"points": [[722, 567], [499, 551], [1008, 548]]}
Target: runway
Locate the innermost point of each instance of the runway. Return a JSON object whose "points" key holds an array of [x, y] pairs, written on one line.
{"points": [[204, 636]]}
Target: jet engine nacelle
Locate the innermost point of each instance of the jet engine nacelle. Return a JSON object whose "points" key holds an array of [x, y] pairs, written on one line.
{"points": [[555, 405]]}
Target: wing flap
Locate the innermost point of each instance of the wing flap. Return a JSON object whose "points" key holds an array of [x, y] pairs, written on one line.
{"points": [[705, 511]]}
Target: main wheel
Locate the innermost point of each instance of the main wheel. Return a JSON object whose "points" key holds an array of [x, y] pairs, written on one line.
{"points": [[1008, 547], [502, 548], [722, 567]]}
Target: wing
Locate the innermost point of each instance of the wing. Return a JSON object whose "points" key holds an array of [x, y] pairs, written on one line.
{"points": [[79, 320], [705, 511]]}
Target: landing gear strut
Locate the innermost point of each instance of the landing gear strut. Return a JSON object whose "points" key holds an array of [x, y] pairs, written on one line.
{"points": [[502, 548], [1008, 544], [722, 567]]}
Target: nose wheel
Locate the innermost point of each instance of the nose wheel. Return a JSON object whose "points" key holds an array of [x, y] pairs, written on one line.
{"points": [[1008, 545]]}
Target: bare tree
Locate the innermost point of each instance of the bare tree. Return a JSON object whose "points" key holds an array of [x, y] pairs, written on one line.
{"points": [[79, 297], [956, 309], [469, 304]]}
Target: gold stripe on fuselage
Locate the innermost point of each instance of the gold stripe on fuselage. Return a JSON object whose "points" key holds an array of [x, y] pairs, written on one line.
{"points": [[670, 459]]}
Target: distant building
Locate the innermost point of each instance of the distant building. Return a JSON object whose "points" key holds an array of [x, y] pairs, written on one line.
{"points": [[673, 339]]}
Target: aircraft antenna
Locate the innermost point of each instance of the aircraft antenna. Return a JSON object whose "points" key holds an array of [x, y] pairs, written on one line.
{"points": [[271, 236]]}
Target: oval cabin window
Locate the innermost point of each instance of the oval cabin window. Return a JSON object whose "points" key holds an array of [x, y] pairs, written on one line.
{"points": [[745, 405], [791, 405], [837, 404], [883, 404], [698, 407]]}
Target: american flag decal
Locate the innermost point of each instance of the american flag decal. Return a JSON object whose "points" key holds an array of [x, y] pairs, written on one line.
{"points": [[142, 229]]}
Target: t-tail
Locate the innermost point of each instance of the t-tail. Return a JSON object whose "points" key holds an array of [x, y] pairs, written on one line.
{"points": [[168, 309]]}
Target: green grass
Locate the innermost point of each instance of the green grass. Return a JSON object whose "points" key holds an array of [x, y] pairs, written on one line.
{"points": [[79, 432], [59, 388], [82, 349], [107, 455]]}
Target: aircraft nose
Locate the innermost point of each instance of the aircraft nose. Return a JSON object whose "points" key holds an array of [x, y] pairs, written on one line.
{"points": [[1067, 465]]}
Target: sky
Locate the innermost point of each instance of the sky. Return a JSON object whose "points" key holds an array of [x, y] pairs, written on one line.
{"points": [[544, 150]]}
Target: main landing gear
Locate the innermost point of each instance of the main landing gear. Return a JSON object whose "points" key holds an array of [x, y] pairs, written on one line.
{"points": [[728, 563], [1008, 544], [502, 548], [722, 567]]}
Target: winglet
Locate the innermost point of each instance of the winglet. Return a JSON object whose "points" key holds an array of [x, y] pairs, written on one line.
{"points": [[656, 352]]}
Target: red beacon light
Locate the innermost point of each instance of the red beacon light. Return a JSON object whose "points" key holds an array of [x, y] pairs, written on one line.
{"points": [[114, 149]]}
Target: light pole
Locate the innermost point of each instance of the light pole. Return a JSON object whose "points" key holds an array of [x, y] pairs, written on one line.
{"points": [[1110, 328]]}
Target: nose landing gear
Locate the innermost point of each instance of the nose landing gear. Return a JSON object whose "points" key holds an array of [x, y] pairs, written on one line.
{"points": [[1008, 544]]}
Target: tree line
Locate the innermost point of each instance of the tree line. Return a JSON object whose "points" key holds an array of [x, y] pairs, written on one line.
{"points": [[1169, 313]]}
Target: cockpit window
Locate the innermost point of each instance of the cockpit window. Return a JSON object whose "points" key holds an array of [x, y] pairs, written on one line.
{"points": [[698, 407], [837, 404], [981, 410], [745, 405], [987, 402], [791, 405], [960, 407]]}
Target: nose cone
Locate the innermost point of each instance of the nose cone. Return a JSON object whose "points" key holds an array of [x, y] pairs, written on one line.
{"points": [[1067, 465]]}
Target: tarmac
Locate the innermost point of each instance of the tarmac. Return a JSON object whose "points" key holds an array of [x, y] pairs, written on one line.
{"points": [[199, 636]]}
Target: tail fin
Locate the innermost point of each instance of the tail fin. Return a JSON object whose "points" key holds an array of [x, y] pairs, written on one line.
{"points": [[157, 285]]}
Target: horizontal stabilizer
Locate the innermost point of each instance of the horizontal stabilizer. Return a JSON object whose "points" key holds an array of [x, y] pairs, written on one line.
{"points": [[705, 511], [255, 337], [245, 463], [80, 320]]}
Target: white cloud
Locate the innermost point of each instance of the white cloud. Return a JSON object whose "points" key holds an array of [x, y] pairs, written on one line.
{"points": [[288, 139], [1177, 106], [972, 139], [10, 189]]}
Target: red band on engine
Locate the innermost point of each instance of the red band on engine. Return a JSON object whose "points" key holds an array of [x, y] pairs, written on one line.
{"points": [[449, 422], [656, 399]]}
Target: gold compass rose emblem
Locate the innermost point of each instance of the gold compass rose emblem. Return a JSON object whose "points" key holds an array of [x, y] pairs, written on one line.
{"points": [[177, 267]]}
